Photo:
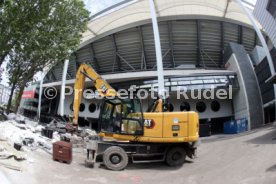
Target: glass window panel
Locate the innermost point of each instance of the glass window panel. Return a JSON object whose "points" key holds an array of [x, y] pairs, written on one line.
{"points": [[184, 82], [196, 82]]}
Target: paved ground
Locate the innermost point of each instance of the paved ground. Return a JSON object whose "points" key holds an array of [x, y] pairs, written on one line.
{"points": [[248, 158]]}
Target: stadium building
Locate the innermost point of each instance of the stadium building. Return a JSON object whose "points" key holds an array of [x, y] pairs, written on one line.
{"points": [[205, 44]]}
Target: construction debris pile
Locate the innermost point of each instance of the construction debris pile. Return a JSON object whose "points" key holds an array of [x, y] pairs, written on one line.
{"points": [[19, 135]]}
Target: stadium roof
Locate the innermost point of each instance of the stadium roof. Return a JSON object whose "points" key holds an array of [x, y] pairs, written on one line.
{"points": [[129, 13]]}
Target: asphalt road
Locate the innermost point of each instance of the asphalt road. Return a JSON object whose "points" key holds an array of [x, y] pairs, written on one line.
{"points": [[249, 158]]}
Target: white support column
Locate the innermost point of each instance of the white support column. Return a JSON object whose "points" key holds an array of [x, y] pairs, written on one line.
{"points": [[62, 90], [158, 51], [261, 37]]}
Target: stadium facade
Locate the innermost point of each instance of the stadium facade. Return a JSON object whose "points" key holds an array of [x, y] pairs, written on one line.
{"points": [[205, 44], [265, 12]]}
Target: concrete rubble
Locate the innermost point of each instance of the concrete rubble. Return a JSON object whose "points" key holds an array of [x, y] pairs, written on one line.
{"points": [[20, 135]]}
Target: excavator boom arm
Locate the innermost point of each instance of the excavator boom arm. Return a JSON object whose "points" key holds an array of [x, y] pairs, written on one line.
{"points": [[103, 88]]}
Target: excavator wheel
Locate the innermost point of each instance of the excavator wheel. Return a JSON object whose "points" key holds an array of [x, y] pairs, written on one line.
{"points": [[176, 156], [115, 158]]}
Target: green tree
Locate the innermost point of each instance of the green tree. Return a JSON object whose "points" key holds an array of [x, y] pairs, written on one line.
{"points": [[15, 20], [53, 31], [17, 69]]}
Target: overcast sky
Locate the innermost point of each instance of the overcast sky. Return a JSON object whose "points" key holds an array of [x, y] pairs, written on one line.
{"points": [[95, 6]]}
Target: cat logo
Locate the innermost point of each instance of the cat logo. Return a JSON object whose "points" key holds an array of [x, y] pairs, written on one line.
{"points": [[149, 123], [103, 89]]}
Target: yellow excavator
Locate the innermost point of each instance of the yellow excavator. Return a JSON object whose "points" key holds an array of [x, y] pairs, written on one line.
{"points": [[137, 136]]}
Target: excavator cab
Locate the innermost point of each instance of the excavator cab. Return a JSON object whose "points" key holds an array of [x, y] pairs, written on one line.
{"points": [[121, 116]]}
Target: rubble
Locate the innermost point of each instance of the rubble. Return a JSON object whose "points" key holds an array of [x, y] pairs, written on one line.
{"points": [[11, 116], [17, 146], [4, 154], [13, 132], [10, 157], [76, 141], [20, 119], [19, 134], [89, 133], [28, 141]]}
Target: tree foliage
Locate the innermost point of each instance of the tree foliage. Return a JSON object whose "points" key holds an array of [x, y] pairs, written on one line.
{"points": [[38, 34]]}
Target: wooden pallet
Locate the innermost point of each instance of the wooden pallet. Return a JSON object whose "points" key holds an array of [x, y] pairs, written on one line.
{"points": [[62, 161]]}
